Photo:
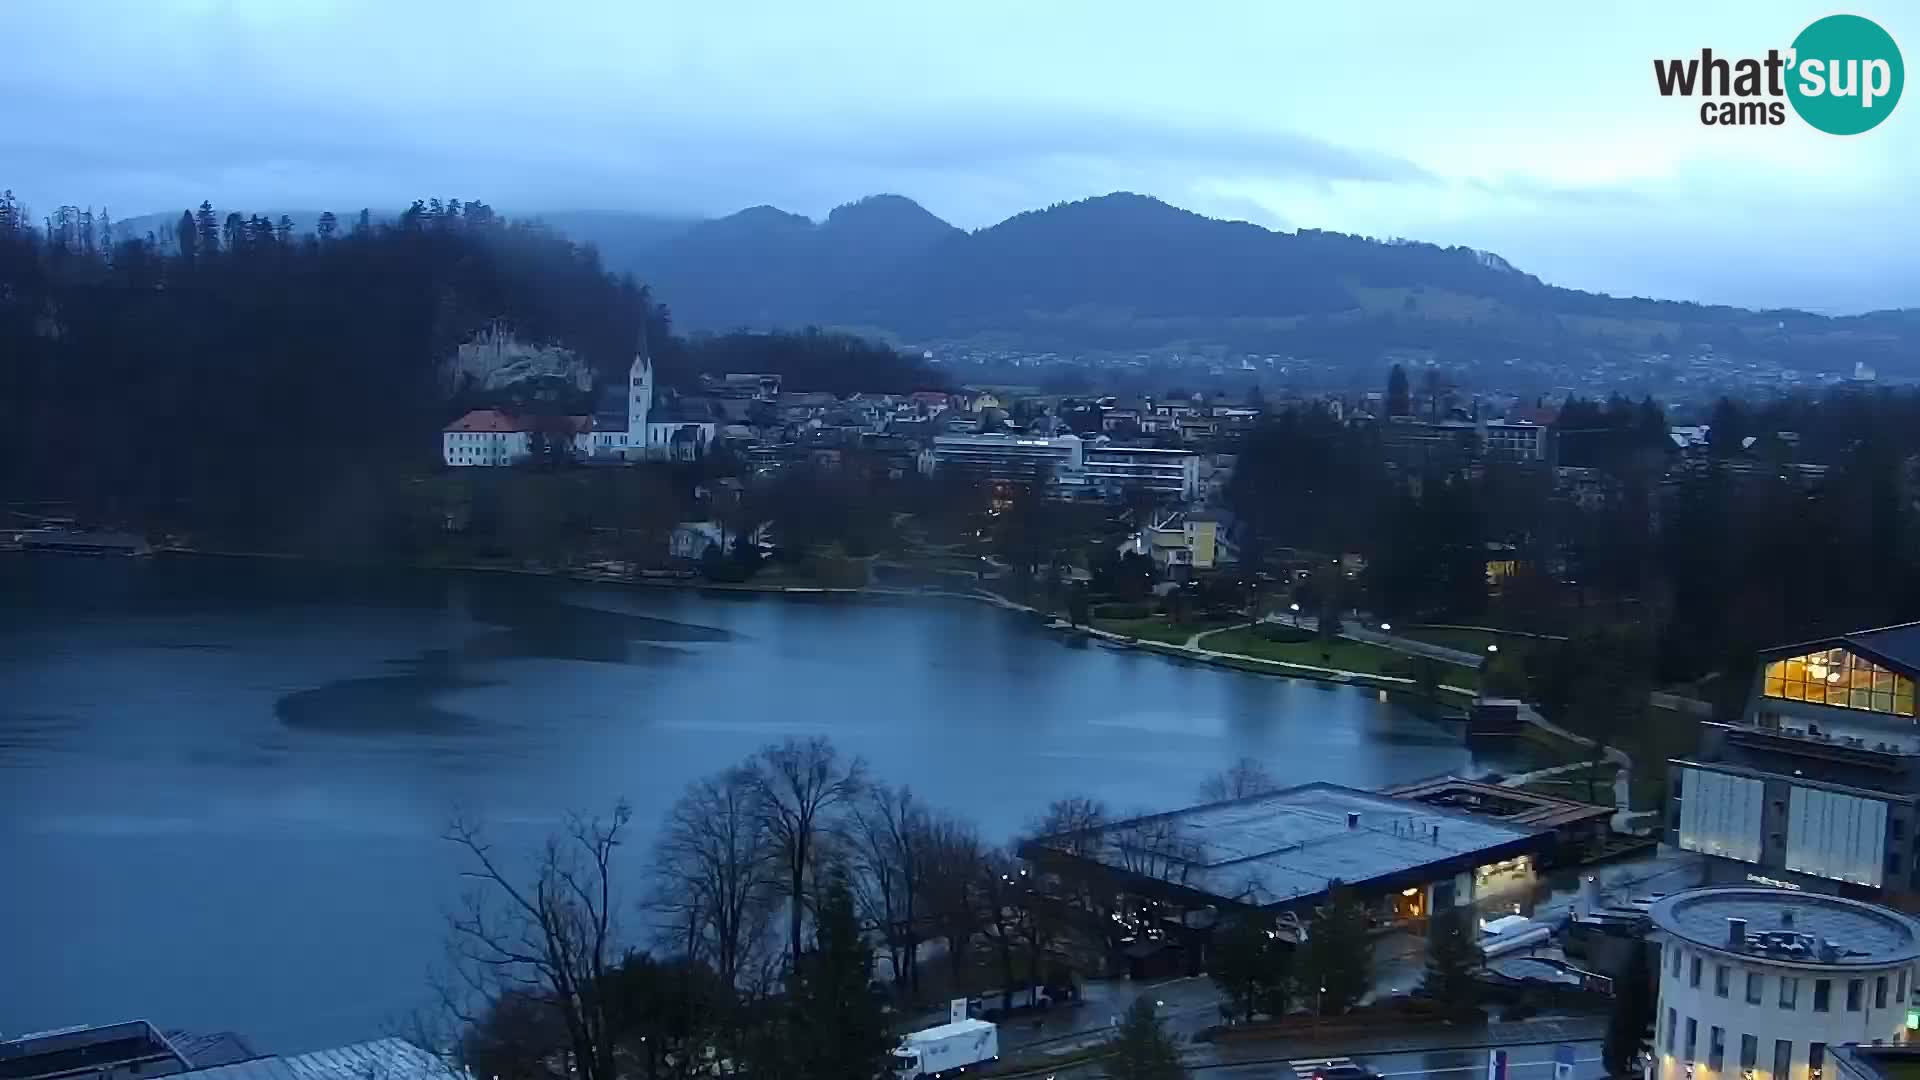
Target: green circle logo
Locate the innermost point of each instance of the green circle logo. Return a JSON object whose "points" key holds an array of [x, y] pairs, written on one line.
{"points": [[1846, 74]]}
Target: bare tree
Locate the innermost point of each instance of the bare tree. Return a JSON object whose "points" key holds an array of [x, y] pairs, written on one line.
{"points": [[1072, 825], [1244, 777], [953, 857], [543, 943], [714, 874], [888, 825], [1005, 914], [1155, 847], [800, 787]]}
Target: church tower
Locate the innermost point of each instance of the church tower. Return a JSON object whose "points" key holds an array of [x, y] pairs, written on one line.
{"points": [[639, 392]]}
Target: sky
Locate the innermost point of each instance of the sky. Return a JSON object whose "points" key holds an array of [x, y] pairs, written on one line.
{"points": [[1526, 128]]}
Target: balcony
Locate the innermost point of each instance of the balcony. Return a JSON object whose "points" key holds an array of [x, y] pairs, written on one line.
{"points": [[1881, 753]]}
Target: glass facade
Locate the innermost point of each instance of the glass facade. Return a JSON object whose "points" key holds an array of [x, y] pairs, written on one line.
{"points": [[1839, 679]]}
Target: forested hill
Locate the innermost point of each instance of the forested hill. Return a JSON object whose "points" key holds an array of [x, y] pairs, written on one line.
{"points": [[1126, 271], [257, 380]]}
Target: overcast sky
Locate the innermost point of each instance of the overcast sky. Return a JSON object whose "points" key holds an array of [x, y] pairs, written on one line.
{"points": [[1531, 129]]}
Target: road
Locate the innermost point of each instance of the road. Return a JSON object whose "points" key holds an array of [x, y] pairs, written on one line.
{"points": [[1523, 1063]]}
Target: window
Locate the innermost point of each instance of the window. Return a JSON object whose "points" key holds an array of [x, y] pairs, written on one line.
{"points": [[1673, 1028], [1693, 1029], [1676, 949], [1893, 864], [1816, 1058], [1693, 973], [1749, 1051], [1789, 992], [1854, 988], [1880, 992], [1782, 1059], [1716, 1047], [1900, 987], [1838, 679], [1822, 995], [1722, 975], [1754, 981]]}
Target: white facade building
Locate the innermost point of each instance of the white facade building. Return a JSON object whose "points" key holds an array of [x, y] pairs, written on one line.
{"points": [[629, 429], [1758, 983], [485, 437]]}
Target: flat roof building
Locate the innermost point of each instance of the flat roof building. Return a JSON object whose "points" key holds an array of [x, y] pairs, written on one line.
{"points": [[106, 1052], [1284, 850], [1117, 471], [1761, 982], [1817, 785]]}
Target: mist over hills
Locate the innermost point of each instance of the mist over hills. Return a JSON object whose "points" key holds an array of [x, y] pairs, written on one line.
{"points": [[1126, 272]]}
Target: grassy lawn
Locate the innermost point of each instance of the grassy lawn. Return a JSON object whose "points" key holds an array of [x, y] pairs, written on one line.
{"points": [[1469, 641], [1157, 628], [1339, 653]]}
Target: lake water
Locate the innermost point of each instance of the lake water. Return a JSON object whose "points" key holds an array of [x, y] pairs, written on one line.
{"points": [[222, 782]]}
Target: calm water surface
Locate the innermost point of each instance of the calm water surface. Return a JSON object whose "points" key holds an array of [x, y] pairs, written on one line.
{"points": [[222, 782]]}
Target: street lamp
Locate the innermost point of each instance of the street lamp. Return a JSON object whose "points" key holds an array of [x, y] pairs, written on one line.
{"points": [[1385, 626], [1492, 648], [1295, 608]]}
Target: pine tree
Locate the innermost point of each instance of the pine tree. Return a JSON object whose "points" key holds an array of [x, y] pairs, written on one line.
{"points": [[1630, 1028], [207, 228], [1142, 1049], [1339, 953], [1250, 968], [838, 1030], [327, 225], [1453, 957], [186, 234], [1399, 402]]}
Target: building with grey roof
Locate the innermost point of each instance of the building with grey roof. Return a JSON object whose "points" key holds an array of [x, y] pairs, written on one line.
{"points": [[1284, 850], [1817, 785], [1761, 982]]}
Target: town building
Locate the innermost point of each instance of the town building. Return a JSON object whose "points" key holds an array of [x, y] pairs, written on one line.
{"points": [[1282, 851], [1817, 785], [1117, 472], [108, 1052], [1005, 457], [1760, 983], [121, 1051], [489, 437], [1578, 828], [1513, 440], [1178, 539]]}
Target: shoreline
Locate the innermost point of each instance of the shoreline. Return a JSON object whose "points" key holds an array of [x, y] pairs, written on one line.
{"points": [[1248, 665]]}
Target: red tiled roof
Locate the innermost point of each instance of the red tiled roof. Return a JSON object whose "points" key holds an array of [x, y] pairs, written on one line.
{"points": [[493, 420]]}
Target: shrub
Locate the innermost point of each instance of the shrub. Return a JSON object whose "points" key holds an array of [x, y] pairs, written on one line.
{"points": [[1122, 611]]}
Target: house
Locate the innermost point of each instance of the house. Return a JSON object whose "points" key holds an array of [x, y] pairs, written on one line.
{"points": [[489, 437], [692, 539], [1178, 539]]}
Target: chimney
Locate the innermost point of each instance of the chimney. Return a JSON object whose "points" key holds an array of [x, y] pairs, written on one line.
{"points": [[1436, 834], [1589, 897], [1736, 933], [1353, 820], [1829, 951], [1786, 917]]}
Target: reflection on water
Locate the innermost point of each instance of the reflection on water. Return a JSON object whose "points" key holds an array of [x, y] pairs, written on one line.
{"points": [[222, 781]]}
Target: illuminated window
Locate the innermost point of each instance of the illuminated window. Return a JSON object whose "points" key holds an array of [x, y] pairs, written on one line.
{"points": [[1839, 679]]}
